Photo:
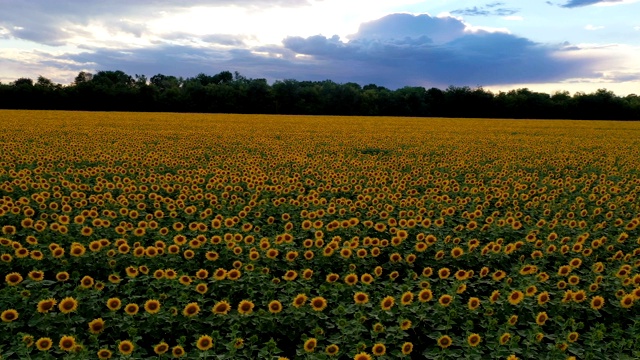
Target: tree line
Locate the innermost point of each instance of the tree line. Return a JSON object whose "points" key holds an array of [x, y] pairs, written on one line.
{"points": [[226, 92]]}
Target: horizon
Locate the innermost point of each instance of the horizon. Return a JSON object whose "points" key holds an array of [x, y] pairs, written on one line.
{"points": [[568, 45]]}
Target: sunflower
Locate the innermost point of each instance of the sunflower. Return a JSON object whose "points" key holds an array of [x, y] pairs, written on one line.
{"points": [[444, 273], [318, 303], [379, 349], [245, 307], [407, 298], [307, 274], [131, 309], [387, 303], [28, 340], [191, 309], [44, 306], [573, 336], [114, 304], [332, 277], [36, 275], [178, 351], [425, 295], [152, 306], [234, 274], [445, 300], [275, 306], [332, 350], [543, 298], [474, 340], [185, 280], [516, 297], [126, 347], [351, 279], [299, 300], [360, 298], [44, 344], [87, 282], [220, 274], [573, 280], [504, 338], [96, 326], [204, 343], [627, 301], [77, 250], [9, 315], [473, 303], [67, 343], [378, 270], [202, 274], [170, 274], [461, 275], [104, 354], [444, 341], [597, 302], [13, 279], [161, 348], [362, 355], [579, 296], [407, 348], [498, 275], [310, 344], [405, 324], [68, 305], [221, 308], [541, 318]]}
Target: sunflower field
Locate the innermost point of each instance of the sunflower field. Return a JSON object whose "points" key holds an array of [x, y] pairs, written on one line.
{"points": [[131, 235]]}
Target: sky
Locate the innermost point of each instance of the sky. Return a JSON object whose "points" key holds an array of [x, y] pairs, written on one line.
{"points": [[547, 46]]}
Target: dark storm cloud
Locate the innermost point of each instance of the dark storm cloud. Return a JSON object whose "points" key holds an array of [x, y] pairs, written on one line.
{"points": [[394, 51], [579, 3], [43, 21]]}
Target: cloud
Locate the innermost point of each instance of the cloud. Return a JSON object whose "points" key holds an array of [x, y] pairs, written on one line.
{"points": [[394, 51], [493, 9], [225, 39], [48, 22], [592, 27], [406, 53], [401, 26], [579, 3]]}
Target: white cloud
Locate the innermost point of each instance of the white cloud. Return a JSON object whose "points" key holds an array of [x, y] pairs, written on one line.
{"points": [[593, 27], [616, 2], [637, 28], [476, 29]]}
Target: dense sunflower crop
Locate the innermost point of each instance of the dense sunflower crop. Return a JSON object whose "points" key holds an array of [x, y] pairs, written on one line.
{"points": [[264, 237]]}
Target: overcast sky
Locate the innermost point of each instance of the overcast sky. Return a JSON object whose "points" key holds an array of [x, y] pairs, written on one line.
{"points": [[574, 45]]}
